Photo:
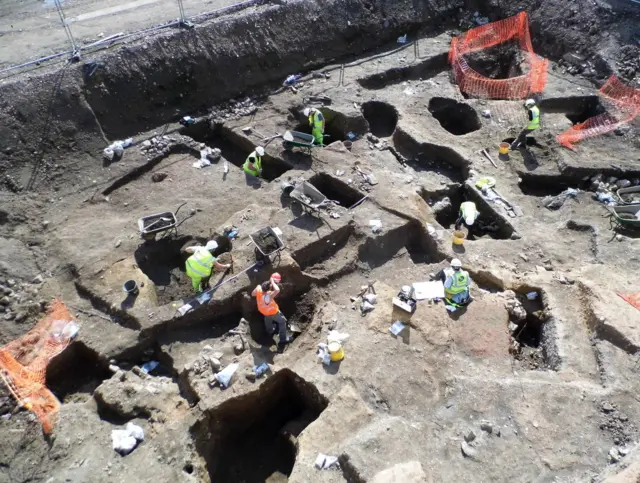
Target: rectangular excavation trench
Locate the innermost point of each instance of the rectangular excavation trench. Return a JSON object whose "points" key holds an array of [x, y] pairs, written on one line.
{"points": [[422, 70], [378, 250], [253, 438], [428, 157], [576, 108], [336, 190], [536, 347], [164, 261], [139, 171], [446, 206], [235, 147], [329, 256]]}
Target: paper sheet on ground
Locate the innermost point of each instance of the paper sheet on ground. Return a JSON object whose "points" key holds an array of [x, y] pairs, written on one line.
{"points": [[429, 290]]}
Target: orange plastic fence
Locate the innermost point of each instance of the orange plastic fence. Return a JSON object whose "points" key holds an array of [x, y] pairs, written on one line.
{"points": [[23, 362], [623, 106], [633, 299], [473, 83]]}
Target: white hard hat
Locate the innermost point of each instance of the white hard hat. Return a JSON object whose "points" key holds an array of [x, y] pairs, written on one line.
{"points": [[530, 102], [306, 111], [470, 219], [455, 263], [260, 151], [211, 245]]}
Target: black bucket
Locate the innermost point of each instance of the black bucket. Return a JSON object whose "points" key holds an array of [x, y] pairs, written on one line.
{"points": [[131, 287]]}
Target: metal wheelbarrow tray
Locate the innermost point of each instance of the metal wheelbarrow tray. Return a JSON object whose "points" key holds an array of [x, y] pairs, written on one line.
{"points": [[153, 224], [629, 198], [296, 139], [309, 196], [624, 216], [265, 250]]}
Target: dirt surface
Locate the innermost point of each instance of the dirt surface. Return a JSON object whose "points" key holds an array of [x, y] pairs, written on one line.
{"points": [[541, 368]]}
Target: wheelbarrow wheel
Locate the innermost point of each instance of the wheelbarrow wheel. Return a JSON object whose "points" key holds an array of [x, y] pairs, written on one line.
{"points": [[287, 145]]}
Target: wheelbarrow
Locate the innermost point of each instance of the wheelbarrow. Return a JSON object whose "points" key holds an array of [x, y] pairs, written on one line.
{"points": [[309, 197], [302, 140], [267, 242], [624, 216], [151, 225]]}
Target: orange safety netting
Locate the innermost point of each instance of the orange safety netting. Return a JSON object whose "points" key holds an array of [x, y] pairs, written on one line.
{"points": [[623, 106], [490, 35], [633, 299], [23, 362]]}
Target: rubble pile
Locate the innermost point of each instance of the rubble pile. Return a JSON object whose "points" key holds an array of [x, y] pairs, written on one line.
{"points": [[232, 110], [19, 300]]}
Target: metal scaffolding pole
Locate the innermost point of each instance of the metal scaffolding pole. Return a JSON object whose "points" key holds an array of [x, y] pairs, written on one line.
{"points": [[183, 20], [65, 24]]}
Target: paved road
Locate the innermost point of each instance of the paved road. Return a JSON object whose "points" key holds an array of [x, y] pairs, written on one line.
{"points": [[30, 29]]}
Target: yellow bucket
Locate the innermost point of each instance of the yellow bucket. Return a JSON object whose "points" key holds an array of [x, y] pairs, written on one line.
{"points": [[458, 237], [504, 148], [336, 351]]}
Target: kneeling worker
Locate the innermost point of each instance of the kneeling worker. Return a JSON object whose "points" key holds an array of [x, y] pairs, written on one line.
{"points": [[468, 214], [200, 265], [253, 164], [265, 295], [456, 285], [316, 121]]}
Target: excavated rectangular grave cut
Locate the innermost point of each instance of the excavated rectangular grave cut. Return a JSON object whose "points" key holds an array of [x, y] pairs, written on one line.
{"points": [[336, 190], [253, 438], [163, 261]]}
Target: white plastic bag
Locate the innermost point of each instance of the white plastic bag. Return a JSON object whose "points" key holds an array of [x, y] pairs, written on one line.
{"points": [[224, 376], [123, 442], [136, 431]]}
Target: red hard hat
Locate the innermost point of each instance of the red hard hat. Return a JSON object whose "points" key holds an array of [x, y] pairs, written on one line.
{"points": [[276, 277]]}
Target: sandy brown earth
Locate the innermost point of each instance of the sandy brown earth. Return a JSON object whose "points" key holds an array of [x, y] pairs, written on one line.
{"points": [[509, 389]]}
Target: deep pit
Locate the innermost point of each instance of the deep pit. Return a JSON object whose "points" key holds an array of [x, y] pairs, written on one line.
{"points": [[577, 109], [382, 118], [501, 61], [253, 438], [531, 340], [76, 373], [456, 117]]}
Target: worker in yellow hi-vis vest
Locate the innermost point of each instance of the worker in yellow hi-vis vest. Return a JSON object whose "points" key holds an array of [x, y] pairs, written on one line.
{"points": [[200, 265], [317, 123], [533, 116]]}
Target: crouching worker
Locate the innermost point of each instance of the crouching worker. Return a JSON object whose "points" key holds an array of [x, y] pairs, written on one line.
{"points": [[468, 214], [456, 285], [200, 265], [265, 295], [253, 165]]}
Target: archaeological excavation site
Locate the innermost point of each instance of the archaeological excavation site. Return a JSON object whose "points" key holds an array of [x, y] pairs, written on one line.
{"points": [[158, 195]]}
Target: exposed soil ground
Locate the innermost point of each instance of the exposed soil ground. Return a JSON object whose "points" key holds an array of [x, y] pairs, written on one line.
{"points": [[547, 380]]}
